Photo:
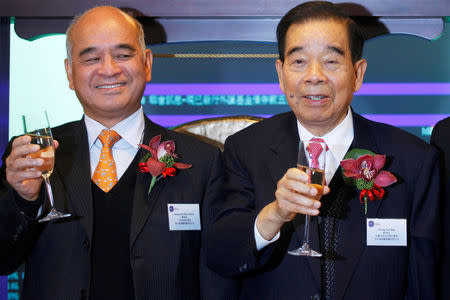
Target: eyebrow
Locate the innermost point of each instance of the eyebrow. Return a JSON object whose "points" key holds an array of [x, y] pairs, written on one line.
{"points": [[295, 49], [86, 51], [125, 46], [92, 49], [336, 49]]}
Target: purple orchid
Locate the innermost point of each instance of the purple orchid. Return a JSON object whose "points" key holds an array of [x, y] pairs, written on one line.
{"points": [[368, 167], [162, 157]]}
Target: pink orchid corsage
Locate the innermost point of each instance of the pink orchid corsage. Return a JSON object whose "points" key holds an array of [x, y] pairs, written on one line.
{"points": [[362, 168], [160, 161]]}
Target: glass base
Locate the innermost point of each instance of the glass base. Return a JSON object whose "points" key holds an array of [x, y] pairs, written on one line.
{"points": [[53, 215], [305, 250]]}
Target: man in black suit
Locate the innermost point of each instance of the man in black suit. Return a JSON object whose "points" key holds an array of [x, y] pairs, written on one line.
{"points": [[319, 69], [119, 242], [441, 139]]}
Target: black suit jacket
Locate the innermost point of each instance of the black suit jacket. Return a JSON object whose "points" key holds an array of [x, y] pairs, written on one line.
{"points": [[255, 160], [441, 139], [165, 264]]}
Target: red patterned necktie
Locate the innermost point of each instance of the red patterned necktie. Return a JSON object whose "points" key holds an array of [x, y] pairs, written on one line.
{"points": [[105, 174], [315, 149]]}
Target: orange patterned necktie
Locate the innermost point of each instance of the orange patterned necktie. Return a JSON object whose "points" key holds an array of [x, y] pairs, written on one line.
{"points": [[105, 174]]}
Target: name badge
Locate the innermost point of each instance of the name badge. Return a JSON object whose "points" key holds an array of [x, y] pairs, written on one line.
{"points": [[386, 232], [184, 216]]}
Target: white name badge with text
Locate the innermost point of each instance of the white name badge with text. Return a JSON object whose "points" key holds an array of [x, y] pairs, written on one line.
{"points": [[184, 216], [386, 232]]}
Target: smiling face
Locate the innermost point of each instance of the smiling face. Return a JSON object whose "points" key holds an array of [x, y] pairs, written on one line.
{"points": [[109, 70], [318, 76]]}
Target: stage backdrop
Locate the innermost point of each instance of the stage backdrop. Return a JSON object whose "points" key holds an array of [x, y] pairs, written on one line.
{"points": [[407, 84]]}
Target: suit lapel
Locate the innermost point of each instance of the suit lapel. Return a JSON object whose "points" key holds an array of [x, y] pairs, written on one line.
{"points": [[365, 139], [143, 203], [73, 170], [353, 232], [284, 149]]}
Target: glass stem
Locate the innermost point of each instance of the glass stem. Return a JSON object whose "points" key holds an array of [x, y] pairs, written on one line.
{"points": [[49, 191], [306, 235]]}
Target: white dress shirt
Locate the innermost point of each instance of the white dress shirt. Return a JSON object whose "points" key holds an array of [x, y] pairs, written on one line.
{"points": [[131, 130], [338, 141]]}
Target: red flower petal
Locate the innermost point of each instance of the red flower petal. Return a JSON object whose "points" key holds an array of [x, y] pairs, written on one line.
{"points": [[350, 167], [143, 167], [369, 192], [384, 178], [352, 175], [170, 171], [378, 191], [379, 160], [145, 147], [154, 142], [179, 165], [367, 157], [155, 167]]}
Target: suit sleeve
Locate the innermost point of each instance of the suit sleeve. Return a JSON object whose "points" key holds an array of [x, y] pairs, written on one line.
{"points": [[441, 140], [212, 285], [425, 224], [18, 227], [231, 243]]}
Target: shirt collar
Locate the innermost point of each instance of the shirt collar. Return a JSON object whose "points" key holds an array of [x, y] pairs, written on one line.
{"points": [[338, 140], [131, 129]]}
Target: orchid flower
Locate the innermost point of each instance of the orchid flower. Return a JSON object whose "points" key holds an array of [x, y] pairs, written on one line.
{"points": [[368, 168], [160, 160]]}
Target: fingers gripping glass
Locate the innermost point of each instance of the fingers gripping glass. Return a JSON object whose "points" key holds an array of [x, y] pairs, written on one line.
{"points": [[314, 166], [38, 128]]}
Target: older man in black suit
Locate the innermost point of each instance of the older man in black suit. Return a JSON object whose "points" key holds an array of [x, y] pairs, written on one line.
{"points": [[123, 241], [441, 139], [389, 250]]}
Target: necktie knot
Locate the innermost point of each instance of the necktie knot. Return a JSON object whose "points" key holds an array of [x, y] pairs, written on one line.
{"points": [[315, 149], [108, 138]]}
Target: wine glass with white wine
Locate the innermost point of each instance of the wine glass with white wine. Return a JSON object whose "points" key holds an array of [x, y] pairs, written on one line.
{"points": [[38, 128], [314, 166]]}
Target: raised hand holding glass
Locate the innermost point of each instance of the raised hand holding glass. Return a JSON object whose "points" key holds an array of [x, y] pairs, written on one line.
{"points": [[40, 132]]}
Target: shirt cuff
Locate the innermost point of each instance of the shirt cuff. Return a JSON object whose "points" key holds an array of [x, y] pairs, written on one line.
{"points": [[262, 242]]}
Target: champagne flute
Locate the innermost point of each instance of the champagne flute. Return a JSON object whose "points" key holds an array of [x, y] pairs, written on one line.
{"points": [[42, 136], [315, 168]]}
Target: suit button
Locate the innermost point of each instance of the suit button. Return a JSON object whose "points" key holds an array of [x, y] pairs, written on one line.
{"points": [[242, 268], [315, 297], [83, 294], [18, 233], [86, 244]]}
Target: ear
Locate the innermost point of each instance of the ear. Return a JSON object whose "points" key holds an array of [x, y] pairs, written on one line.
{"points": [[148, 61], [360, 69], [279, 67], [68, 67]]}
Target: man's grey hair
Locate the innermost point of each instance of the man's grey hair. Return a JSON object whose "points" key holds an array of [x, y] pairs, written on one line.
{"points": [[69, 44]]}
